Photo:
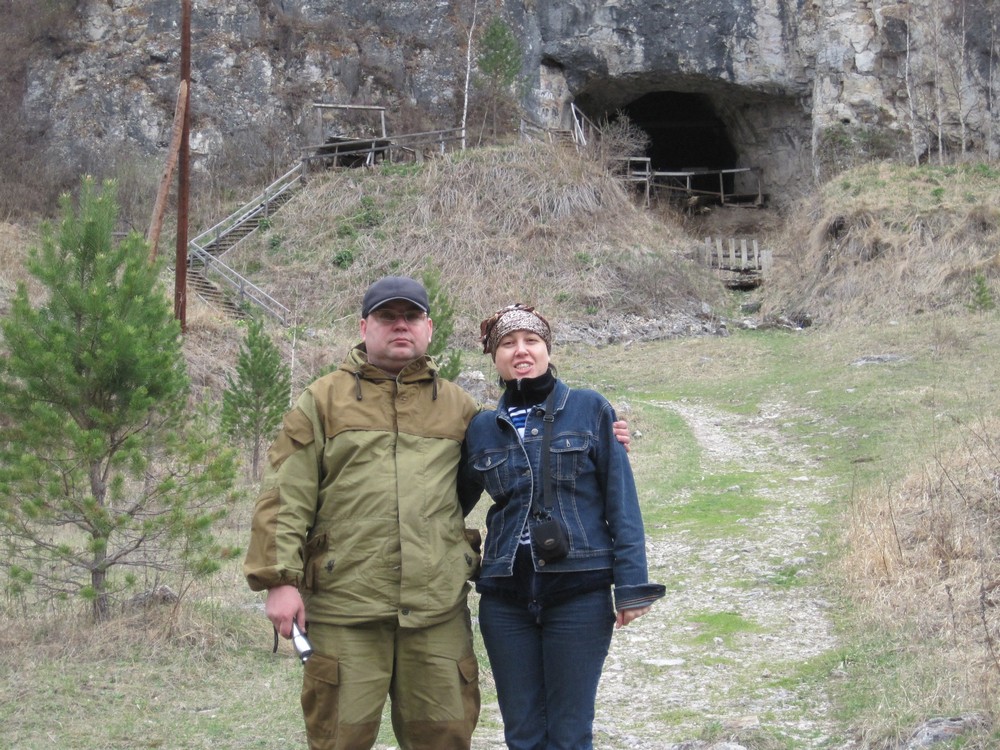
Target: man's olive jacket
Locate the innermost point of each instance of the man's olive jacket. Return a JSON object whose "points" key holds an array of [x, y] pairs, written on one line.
{"points": [[359, 506]]}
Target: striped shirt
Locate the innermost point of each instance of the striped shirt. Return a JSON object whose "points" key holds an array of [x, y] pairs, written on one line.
{"points": [[519, 416]]}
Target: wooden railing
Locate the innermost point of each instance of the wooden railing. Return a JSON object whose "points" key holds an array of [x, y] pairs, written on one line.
{"points": [[741, 262], [635, 169], [683, 182], [371, 150], [743, 254]]}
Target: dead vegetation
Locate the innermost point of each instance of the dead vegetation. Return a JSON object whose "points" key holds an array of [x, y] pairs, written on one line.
{"points": [[923, 563], [884, 243], [14, 243], [887, 240], [530, 223]]}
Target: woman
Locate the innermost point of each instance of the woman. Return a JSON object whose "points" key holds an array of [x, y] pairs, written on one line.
{"points": [[551, 555]]}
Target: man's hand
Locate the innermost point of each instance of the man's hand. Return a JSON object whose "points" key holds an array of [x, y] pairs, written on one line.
{"points": [[284, 604], [622, 433]]}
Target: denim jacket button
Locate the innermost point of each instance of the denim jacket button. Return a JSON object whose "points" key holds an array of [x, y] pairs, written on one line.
{"points": [[541, 563], [534, 431]]}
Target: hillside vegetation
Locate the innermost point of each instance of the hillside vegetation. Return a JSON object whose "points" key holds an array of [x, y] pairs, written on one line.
{"points": [[886, 240], [891, 393], [528, 222]]}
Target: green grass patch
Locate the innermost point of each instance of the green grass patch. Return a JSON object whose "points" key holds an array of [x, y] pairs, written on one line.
{"points": [[723, 626], [712, 514]]}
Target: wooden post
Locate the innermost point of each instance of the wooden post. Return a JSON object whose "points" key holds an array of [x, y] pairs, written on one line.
{"points": [[183, 175], [160, 206]]}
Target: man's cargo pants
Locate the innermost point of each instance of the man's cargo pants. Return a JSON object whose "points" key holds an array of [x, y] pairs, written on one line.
{"points": [[430, 675]]}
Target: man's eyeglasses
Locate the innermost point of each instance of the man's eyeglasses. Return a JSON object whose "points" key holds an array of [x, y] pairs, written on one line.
{"points": [[390, 317]]}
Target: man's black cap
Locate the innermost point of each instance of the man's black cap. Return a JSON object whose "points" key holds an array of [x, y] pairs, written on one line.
{"points": [[390, 288]]}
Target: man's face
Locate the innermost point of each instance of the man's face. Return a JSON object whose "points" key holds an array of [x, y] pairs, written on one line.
{"points": [[396, 334]]}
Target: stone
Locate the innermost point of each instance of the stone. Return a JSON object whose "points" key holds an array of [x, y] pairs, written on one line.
{"points": [[772, 74]]}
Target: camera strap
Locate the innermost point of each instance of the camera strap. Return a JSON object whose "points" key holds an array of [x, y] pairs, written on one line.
{"points": [[547, 420]]}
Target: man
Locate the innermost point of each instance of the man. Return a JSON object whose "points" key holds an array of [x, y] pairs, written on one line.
{"points": [[360, 525], [360, 512]]}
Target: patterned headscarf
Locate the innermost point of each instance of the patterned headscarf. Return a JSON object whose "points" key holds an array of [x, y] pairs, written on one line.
{"points": [[516, 317]]}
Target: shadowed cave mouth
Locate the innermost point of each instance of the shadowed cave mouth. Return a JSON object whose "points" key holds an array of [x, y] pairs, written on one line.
{"points": [[684, 131]]}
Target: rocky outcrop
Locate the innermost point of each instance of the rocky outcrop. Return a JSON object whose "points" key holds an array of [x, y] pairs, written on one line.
{"points": [[785, 82]]}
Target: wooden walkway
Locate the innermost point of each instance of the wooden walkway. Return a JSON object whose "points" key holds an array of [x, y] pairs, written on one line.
{"points": [[683, 185]]}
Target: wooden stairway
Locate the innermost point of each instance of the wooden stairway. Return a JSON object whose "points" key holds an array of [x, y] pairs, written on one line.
{"points": [[214, 295], [218, 284]]}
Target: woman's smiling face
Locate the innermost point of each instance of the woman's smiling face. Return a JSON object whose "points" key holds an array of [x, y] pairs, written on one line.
{"points": [[521, 354]]}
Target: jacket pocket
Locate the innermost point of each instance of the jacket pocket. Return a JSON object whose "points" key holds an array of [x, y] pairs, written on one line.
{"points": [[312, 559], [569, 451], [494, 466]]}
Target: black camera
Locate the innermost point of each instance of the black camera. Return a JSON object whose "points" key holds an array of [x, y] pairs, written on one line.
{"points": [[550, 540]]}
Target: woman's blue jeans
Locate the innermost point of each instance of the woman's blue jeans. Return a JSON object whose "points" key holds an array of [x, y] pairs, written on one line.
{"points": [[547, 662]]}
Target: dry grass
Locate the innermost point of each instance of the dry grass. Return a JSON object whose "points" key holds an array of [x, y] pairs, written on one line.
{"points": [[530, 223], [14, 243], [923, 563], [886, 240]]}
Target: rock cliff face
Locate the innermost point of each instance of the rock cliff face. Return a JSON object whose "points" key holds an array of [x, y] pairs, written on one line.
{"points": [[774, 84]]}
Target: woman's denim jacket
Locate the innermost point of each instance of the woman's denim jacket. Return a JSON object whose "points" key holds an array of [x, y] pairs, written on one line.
{"points": [[593, 487]]}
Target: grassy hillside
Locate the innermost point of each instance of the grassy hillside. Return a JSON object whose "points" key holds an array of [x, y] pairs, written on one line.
{"points": [[886, 240]]}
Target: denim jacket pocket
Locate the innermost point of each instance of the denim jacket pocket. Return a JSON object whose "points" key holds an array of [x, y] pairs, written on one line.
{"points": [[569, 449], [495, 468]]}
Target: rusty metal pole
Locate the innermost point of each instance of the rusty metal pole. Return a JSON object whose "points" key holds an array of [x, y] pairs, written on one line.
{"points": [[183, 174]]}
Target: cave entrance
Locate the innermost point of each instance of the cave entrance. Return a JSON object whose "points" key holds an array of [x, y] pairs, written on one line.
{"points": [[684, 131], [686, 135]]}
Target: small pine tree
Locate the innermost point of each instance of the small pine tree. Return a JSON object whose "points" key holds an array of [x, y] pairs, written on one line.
{"points": [[443, 314], [982, 295], [102, 467], [499, 64], [256, 399]]}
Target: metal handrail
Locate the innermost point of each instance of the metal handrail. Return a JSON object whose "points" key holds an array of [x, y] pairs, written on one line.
{"points": [[580, 123], [249, 211], [251, 208], [243, 286]]}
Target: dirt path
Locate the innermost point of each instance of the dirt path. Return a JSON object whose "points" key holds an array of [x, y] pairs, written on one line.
{"points": [[667, 689], [660, 688]]}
